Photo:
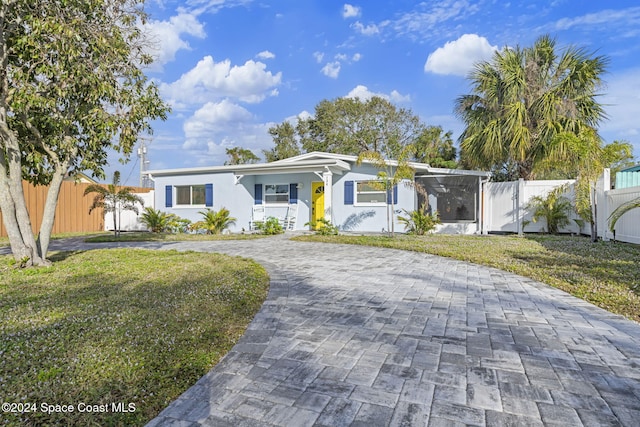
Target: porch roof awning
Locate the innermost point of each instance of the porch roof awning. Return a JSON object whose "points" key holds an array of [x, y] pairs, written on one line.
{"points": [[302, 166], [429, 171]]}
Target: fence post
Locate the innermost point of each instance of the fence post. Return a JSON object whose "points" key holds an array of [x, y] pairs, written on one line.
{"points": [[604, 204], [519, 207]]}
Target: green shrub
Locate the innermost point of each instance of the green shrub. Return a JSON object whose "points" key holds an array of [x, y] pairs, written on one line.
{"points": [[554, 208], [419, 222], [155, 220], [270, 227], [323, 227], [214, 222], [178, 224]]}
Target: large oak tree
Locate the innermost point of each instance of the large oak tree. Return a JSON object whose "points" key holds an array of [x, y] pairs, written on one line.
{"points": [[71, 89], [354, 126]]}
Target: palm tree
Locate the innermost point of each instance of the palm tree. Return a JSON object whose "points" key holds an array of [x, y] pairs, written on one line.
{"points": [[156, 220], [584, 156], [114, 198], [390, 175], [554, 208], [522, 99], [215, 222]]}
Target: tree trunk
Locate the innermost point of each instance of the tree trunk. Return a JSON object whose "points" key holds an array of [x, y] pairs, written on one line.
{"points": [[18, 248], [12, 202], [49, 213], [594, 214], [393, 208], [115, 223]]}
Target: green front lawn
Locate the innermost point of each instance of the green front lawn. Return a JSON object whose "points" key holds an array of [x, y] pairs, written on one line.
{"points": [[606, 274], [168, 237], [118, 326]]}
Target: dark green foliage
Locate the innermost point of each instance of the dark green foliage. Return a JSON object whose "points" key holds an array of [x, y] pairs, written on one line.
{"points": [[270, 227], [323, 227], [286, 143], [240, 156], [555, 208], [522, 99], [114, 198], [353, 126], [214, 222], [156, 220], [435, 149], [419, 221]]}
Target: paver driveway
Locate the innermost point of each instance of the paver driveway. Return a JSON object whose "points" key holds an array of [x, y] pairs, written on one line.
{"points": [[355, 335]]}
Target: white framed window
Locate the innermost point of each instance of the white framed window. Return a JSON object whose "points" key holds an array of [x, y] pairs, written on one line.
{"points": [[190, 195], [275, 194], [370, 193]]}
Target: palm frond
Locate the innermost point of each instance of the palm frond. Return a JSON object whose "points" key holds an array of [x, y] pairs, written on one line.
{"points": [[621, 210]]}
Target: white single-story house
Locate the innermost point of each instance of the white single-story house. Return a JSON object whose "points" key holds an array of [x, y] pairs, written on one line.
{"points": [[301, 189]]}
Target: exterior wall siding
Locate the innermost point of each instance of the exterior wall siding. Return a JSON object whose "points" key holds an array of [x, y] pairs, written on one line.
{"points": [[356, 217]]}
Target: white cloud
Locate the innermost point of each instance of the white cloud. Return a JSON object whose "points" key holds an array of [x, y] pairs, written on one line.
{"points": [[398, 98], [362, 92], [220, 125], [356, 57], [367, 30], [166, 37], [628, 16], [214, 6], [331, 69], [303, 115], [265, 54], [250, 82], [458, 57], [349, 11], [432, 19], [319, 56], [214, 118]]}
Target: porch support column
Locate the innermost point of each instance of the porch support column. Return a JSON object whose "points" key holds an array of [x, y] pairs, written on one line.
{"points": [[327, 178]]}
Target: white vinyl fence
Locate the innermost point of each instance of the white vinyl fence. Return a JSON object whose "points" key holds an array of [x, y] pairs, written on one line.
{"points": [[627, 228], [506, 208], [129, 220]]}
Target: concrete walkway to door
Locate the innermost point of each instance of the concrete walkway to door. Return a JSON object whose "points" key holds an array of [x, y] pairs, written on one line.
{"points": [[354, 335]]}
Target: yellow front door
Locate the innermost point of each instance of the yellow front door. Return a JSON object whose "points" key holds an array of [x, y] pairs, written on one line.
{"points": [[317, 202]]}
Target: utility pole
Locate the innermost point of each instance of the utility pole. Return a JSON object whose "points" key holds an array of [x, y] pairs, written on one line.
{"points": [[144, 163]]}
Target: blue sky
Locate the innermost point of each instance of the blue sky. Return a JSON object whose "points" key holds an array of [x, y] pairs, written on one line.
{"points": [[233, 68]]}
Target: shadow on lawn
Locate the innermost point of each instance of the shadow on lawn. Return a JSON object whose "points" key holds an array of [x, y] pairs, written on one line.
{"points": [[100, 337]]}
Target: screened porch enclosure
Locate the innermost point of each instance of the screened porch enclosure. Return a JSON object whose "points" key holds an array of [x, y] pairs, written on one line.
{"points": [[455, 198]]}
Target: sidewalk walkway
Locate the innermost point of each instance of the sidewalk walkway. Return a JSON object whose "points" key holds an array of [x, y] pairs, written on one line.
{"points": [[355, 335]]}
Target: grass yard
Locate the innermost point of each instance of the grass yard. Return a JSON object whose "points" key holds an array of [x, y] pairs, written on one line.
{"points": [[167, 237], [118, 326], [606, 274]]}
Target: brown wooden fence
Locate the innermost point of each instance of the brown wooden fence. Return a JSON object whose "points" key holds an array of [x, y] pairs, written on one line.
{"points": [[72, 212]]}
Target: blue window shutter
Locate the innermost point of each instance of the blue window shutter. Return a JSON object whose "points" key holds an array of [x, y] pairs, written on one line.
{"points": [[293, 194], [395, 195], [168, 196], [208, 194], [348, 192], [258, 194]]}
